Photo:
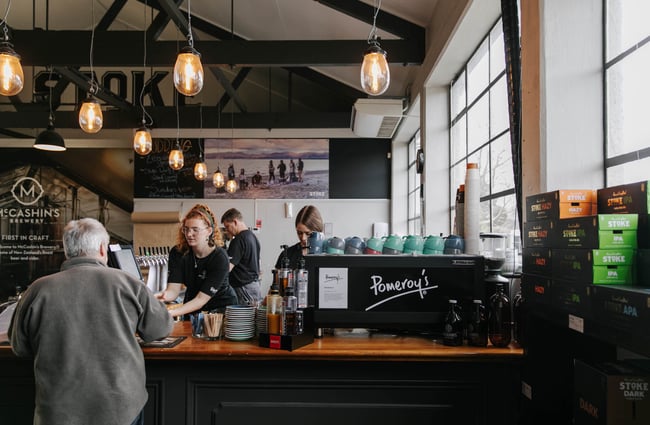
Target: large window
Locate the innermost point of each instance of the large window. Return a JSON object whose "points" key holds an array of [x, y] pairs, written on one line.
{"points": [[414, 187], [480, 132], [627, 90]]}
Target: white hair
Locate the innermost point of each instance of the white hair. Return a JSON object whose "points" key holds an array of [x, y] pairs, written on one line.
{"points": [[84, 237]]}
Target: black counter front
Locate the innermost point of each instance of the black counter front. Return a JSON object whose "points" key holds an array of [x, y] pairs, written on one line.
{"points": [[347, 378]]}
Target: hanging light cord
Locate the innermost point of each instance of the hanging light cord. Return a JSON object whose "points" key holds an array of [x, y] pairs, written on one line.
{"points": [[93, 84], [4, 22], [372, 37], [178, 122], [200, 131], [190, 38], [146, 118], [50, 96]]}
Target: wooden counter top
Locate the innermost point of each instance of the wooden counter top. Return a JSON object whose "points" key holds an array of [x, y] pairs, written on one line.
{"points": [[341, 346]]}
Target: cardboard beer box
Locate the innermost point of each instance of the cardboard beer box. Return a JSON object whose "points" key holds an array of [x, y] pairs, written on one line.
{"points": [[610, 393], [614, 266], [622, 307], [560, 204], [573, 264], [539, 234], [536, 261], [536, 289], [643, 267], [617, 231], [624, 199], [572, 297], [614, 257], [581, 232], [643, 231]]}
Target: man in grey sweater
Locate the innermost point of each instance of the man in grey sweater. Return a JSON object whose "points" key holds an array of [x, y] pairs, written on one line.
{"points": [[80, 326]]}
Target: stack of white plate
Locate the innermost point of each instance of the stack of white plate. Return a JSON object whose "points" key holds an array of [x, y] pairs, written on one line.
{"points": [[260, 319], [240, 322]]}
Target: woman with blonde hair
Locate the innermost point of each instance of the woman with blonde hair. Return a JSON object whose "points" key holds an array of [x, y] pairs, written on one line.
{"points": [[200, 262]]}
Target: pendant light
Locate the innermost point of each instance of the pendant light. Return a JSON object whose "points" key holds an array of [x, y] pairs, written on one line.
{"points": [[12, 78], [231, 184], [188, 71], [217, 178], [375, 73], [176, 157], [200, 168], [91, 118], [142, 143], [48, 139]]}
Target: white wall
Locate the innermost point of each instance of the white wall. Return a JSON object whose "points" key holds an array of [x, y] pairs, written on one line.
{"points": [[349, 217], [571, 145]]}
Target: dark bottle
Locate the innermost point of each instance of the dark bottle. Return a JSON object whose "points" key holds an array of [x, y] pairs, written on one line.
{"points": [[499, 318], [289, 308], [477, 326], [518, 316], [453, 332], [284, 274]]}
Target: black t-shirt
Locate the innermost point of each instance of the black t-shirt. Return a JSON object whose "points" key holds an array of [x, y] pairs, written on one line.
{"points": [[244, 252], [294, 253], [208, 275]]}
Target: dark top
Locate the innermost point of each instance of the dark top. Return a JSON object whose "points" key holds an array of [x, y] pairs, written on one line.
{"points": [[208, 275], [79, 325], [294, 252], [244, 252]]}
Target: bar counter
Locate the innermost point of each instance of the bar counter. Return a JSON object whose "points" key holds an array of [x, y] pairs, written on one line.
{"points": [[343, 345], [345, 378]]}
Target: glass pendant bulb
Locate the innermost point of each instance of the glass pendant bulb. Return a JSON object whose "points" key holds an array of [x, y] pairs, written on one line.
{"points": [[200, 170], [217, 179], [91, 118], [12, 78], [142, 143], [375, 74], [188, 72], [176, 158], [231, 186]]}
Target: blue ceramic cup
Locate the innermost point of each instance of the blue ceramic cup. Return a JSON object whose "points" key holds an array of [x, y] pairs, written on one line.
{"points": [[315, 243], [454, 245]]}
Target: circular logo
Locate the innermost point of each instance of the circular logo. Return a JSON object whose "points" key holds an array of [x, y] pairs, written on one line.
{"points": [[27, 191]]}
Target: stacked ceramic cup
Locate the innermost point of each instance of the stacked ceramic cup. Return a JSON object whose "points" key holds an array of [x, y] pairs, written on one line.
{"points": [[433, 245]]}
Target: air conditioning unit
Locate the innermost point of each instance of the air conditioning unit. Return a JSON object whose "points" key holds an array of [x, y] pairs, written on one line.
{"points": [[376, 117]]}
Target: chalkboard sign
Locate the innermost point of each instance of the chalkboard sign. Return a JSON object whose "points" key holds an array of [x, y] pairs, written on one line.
{"points": [[155, 179]]}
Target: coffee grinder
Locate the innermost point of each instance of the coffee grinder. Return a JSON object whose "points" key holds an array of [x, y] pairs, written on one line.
{"points": [[493, 249]]}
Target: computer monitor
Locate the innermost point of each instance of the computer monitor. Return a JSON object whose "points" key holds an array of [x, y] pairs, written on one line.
{"points": [[123, 257]]}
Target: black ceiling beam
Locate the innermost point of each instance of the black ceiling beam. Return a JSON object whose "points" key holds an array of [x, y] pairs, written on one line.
{"points": [[42, 48], [118, 119], [110, 15], [159, 22], [81, 80], [327, 82], [231, 90], [174, 12], [197, 23], [386, 21], [236, 82]]}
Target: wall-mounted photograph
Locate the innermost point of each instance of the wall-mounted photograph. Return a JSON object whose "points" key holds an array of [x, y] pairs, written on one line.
{"points": [[267, 168]]}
